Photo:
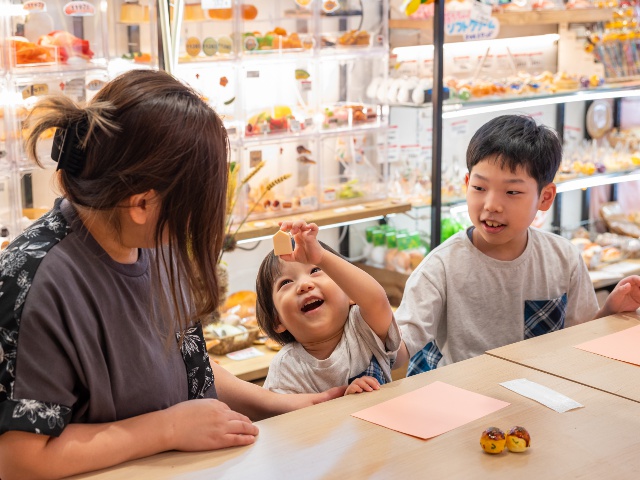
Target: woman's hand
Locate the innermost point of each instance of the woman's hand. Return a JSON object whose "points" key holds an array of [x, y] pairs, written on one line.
{"points": [[207, 424], [363, 384]]}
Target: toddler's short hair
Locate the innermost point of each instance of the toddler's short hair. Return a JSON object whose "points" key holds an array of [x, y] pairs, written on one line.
{"points": [[517, 141]]}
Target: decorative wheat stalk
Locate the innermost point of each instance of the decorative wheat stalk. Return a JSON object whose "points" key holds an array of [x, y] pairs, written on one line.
{"points": [[233, 191], [270, 186]]}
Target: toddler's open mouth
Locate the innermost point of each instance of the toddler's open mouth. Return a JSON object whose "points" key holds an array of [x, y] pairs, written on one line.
{"points": [[312, 305]]}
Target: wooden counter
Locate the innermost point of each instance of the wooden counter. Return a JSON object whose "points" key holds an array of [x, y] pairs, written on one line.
{"points": [[250, 369], [325, 441], [554, 353]]}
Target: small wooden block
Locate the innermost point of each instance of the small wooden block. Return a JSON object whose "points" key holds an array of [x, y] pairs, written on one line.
{"points": [[282, 243]]}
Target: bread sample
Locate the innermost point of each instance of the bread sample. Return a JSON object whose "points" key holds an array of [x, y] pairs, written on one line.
{"points": [[282, 243], [492, 440], [518, 439]]}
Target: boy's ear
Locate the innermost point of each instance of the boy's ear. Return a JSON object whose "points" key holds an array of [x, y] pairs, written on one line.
{"points": [[547, 196], [466, 179], [142, 206]]}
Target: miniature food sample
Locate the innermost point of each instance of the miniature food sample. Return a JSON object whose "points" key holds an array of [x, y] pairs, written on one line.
{"points": [[492, 440], [518, 439], [282, 243]]}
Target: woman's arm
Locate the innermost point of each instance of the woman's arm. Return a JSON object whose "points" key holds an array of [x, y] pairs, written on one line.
{"points": [[195, 425], [259, 403]]}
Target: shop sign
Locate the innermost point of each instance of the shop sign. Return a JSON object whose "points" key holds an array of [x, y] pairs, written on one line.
{"points": [[79, 9], [476, 27]]}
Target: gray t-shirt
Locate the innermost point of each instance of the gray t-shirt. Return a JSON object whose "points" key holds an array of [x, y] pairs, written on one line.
{"points": [[80, 334], [460, 303], [359, 352]]}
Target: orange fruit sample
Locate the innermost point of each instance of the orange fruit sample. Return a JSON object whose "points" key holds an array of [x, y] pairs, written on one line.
{"points": [[249, 12]]}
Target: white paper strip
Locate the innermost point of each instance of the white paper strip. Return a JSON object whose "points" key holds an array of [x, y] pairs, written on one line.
{"points": [[541, 394]]}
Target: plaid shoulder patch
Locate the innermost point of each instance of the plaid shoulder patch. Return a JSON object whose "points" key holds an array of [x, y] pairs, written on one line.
{"points": [[425, 360], [373, 370], [544, 316]]}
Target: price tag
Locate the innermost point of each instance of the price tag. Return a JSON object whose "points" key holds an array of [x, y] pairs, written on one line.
{"points": [[79, 9], [215, 4], [460, 128], [305, 85], [310, 202], [35, 90], [255, 157], [245, 354], [253, 74], [480, 12]]}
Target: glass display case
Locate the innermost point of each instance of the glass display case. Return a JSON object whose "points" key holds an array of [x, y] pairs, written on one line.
{"points": [[292, 93], [52, 47]]}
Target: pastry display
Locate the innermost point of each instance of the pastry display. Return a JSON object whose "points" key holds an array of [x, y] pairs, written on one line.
{"points": [[348, 114], [493, 440], [276, 39], [518, 439]]}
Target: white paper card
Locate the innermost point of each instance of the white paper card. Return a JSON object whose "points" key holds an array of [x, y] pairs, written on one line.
{"points": [[245, 354], [541, 394]]}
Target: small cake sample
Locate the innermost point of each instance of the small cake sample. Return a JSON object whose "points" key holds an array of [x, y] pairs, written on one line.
{"points": [[492, 440], [518, 439], [282, 243]]}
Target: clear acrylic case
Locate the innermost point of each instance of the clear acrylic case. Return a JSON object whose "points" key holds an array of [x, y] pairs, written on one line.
{"points": [[353, 167], [55, 33], [287, 181], [134, 33]]}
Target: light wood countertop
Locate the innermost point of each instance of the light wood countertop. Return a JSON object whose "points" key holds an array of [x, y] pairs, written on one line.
{"points": [[325, 441], [554, 353]]}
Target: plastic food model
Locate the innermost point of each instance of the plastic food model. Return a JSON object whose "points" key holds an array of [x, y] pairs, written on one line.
{"points": [[518, 439], [493, 440], [290, 84], [348, 170]]}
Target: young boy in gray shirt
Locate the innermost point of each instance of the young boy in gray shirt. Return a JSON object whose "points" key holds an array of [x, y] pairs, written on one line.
{"points": [[501, 280]]}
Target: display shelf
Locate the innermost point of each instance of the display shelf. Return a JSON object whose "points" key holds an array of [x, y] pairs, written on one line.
{"points": [[325, 217], [578, 183], [583, 182], [541, 17], [457, 110]]}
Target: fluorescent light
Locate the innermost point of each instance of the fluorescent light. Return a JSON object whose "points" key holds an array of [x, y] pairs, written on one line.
{"points": [[463, 111], [597, 180], [323, 227], [464, 208], [426, 51]]}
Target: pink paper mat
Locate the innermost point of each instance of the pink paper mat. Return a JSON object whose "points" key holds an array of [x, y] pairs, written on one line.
{"points": [[430, 411]]}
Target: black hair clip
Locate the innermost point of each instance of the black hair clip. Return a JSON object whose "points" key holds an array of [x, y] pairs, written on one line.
{"points": [[67, 149]]}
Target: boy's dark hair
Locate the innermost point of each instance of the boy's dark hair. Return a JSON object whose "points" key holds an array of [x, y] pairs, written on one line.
{"points": [[517, 141], [266, 313]]}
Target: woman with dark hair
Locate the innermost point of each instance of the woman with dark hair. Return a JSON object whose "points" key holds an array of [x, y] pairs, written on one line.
{"points": [[102, 357]]}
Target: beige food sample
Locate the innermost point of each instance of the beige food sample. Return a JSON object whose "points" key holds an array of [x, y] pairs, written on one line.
{"points": [[282, 243]]}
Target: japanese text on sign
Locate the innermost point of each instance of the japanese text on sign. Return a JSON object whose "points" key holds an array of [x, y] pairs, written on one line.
{"points": [[471, 28]]}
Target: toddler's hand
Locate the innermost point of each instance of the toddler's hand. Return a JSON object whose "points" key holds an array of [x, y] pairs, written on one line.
{"points": [[363, 384], [308, 250]]}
